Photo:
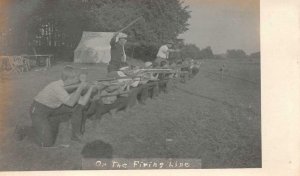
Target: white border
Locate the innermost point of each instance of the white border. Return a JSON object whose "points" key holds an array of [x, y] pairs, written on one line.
{"points": [[280, 28]]}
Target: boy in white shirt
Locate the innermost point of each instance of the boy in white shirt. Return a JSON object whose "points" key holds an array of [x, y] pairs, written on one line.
{"points": [[164, 51], [53, 101]]}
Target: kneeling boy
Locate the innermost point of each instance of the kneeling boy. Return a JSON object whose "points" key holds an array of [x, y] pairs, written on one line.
{"points": [[53, 101]]}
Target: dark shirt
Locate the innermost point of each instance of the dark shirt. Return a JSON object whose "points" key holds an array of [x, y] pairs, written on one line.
{"points": [[116, 53]]}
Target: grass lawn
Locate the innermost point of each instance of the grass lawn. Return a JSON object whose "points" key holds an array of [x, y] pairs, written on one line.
{"points": [[210, 117]]}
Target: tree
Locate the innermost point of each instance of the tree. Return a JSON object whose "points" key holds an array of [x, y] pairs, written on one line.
{"points": [[57, 25], [206, 53], [190, 51], [255, 55], [18, 14], [162, 21], [236, 53]]}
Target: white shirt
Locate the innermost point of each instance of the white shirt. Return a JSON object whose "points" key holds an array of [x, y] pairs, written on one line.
{"points": [[133, 83], [53, 95], [163, 52]]}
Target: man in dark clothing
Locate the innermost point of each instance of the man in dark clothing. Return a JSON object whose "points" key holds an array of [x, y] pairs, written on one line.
{"points": [[117, 52]]}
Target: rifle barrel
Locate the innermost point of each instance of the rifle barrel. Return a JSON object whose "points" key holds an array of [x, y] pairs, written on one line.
{"points": [[115, 94]]}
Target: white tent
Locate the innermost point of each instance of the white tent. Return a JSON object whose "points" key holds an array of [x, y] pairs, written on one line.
{"points": [[94, 47]]}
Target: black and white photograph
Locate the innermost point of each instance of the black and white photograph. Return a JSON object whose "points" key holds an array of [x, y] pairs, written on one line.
{"points": [[130, 85]]}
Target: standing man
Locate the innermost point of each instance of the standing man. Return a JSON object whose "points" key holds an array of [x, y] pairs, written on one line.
{"points": [[117, 52], [163, 52], [54, 101]]}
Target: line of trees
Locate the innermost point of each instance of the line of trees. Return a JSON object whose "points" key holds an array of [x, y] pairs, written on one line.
{"points": [[56, 26], [194, 52], [238, 53]]}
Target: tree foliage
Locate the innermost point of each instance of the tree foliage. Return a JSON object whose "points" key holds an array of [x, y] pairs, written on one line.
{"points": [[207, 53], [58, 24], [255, 55], [236, 53], [190, 51], [193, 52]]}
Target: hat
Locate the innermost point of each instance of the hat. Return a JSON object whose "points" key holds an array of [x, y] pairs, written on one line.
{"points": [[122, 35], [148, 64]]}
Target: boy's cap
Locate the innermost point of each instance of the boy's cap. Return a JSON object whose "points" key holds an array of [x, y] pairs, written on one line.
{"points": [[122, 35]]}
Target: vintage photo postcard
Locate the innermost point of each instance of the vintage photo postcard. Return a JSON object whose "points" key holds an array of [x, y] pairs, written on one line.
{"points": [[159, 86]]}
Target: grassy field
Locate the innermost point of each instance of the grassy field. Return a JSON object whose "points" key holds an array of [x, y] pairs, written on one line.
{"points": [[210, 117]]}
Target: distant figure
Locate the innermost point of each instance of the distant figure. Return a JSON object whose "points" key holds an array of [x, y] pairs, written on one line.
{"points": [[198, 64], [149, 76], [222, 69], [164, 51], [117, 51], [195, 68]]}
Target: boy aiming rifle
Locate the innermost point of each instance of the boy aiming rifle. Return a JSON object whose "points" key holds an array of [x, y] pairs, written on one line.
{"points": [[54, 101]]}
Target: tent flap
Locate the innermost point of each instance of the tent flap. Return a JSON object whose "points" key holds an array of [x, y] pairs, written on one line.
{"points": [[94, 47]]}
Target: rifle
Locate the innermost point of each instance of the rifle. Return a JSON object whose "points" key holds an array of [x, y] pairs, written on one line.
{"points": [[127, 26], [100, 83], [130, 24], [115, 94], [72, 87], [163, 70]]}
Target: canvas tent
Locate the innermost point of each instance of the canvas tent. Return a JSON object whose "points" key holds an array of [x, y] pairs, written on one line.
{"points": [[94, 47]]}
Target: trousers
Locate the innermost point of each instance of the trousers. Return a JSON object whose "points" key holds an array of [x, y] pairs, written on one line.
{"points": [[46, 121]]}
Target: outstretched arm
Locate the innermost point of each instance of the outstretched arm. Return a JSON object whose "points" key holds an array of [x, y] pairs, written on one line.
{"points": [[85, 99], [174, 50], [75, 96]]}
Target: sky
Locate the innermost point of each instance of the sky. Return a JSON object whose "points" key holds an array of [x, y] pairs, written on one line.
{"points": [[224, 24]]}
